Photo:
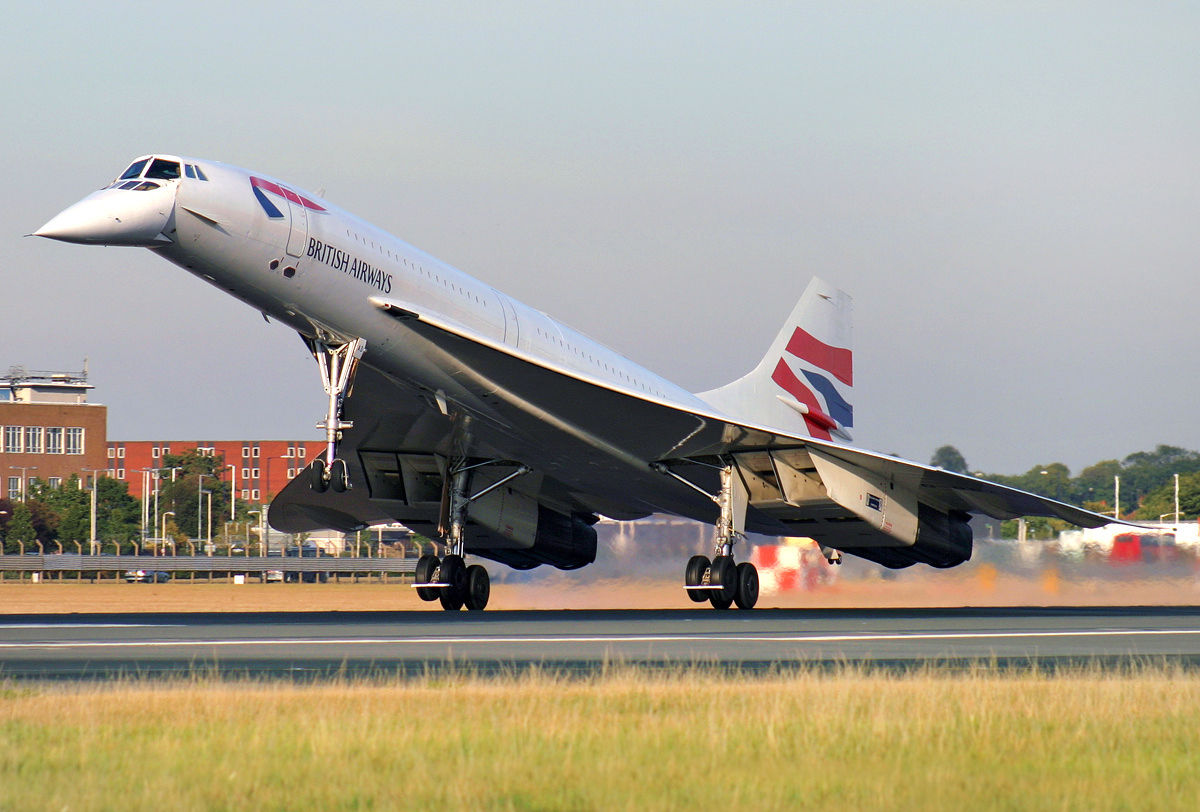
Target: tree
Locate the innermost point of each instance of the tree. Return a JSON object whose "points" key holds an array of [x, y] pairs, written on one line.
{"points": [[949, 458], [20, 528], [1161, 501]]}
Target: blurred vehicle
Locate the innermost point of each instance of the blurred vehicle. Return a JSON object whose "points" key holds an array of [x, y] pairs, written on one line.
{"points": [[147, 576], [1131, 548]]}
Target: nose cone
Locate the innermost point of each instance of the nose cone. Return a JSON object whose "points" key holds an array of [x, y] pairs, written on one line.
{"points": [[114, 217]]}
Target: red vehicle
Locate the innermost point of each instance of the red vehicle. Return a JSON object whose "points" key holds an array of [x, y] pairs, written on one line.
{"points": [[1133, 548]]}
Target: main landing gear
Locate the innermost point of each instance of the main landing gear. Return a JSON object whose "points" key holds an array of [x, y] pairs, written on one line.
{"points": [[338, 362], [449, 579], [722, 581]]}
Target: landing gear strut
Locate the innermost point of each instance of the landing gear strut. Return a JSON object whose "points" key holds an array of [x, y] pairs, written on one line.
{"points": [[337, 361], [722, 581], [449, 579]]}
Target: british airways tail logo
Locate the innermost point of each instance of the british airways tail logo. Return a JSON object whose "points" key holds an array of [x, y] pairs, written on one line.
{"points": [[827, 409], [261, 187]]}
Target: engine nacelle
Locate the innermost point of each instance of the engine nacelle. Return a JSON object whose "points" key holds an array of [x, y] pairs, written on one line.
{"points": [[943, 539], [566, 542]]}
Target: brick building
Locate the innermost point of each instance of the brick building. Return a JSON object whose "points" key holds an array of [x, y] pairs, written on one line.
{"points": [[48, 430], [257, 469]]}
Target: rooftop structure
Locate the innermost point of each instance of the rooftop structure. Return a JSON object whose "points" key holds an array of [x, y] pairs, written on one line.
{"points": [[22, 385]]}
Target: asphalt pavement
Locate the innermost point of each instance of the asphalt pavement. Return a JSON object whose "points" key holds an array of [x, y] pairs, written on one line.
{"points": [[318, 645]]}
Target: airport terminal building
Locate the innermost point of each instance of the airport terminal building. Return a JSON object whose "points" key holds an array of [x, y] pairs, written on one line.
{"points": [[48, 430]]}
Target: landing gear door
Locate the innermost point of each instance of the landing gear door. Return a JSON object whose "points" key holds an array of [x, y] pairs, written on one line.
{"points": [[298, 236]]}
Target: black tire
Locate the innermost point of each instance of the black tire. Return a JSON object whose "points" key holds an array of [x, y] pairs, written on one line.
{"points": [[339, 476], [426, 566], [723, 574], [697, 566], [316, 477], [454, 573], [747, 586], [479, 588]]}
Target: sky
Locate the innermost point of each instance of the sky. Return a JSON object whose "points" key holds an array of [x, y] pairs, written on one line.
{"points": [[1010, 192]]}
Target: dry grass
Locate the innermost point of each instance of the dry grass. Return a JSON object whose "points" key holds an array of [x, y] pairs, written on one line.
{"points": [[626, 740]]}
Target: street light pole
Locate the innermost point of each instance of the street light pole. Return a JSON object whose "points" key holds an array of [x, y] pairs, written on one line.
{"points": [[232, 492], [163, 531], [200, 505], [24, 476]]}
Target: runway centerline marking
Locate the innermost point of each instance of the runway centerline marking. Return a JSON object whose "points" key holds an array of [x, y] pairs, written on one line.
{"points": [[632, 638]]}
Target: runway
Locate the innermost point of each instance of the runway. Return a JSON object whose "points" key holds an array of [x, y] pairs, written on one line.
{"points": [[318, 645]]}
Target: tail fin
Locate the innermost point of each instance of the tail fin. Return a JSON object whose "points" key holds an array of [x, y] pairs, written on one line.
{"points": [[804, 383]]}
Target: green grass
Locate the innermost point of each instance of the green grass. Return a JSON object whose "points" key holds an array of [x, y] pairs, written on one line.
{"points": [[625, 740]]}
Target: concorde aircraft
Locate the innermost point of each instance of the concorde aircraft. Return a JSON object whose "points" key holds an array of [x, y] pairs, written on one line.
{"points": [[505, 434]]}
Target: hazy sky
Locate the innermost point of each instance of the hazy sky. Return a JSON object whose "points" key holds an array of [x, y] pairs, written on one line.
{"points": [[1010, 192]]}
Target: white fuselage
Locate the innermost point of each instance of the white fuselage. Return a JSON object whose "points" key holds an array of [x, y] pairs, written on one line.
{"points": [[317, 270]]}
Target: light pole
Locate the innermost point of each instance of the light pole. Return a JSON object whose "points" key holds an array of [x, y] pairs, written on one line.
{"points": [[163, 532], [232, 492], [24, 476], [93, 544], [200, 504], [208, 545]]}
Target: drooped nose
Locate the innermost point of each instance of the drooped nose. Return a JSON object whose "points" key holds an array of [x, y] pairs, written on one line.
{"points": [[115, 217]]}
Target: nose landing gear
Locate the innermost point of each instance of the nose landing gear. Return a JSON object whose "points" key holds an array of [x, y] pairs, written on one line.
{"points": [[337, 361]]}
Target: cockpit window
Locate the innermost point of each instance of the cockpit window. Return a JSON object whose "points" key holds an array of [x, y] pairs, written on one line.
{"points": [[163, 170], [134, 169], [145, 186], [200, 174], [189, 170], [129, 184]]}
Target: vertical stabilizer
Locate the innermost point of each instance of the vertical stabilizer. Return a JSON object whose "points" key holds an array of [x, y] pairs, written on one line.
{"points": [[804, 384]]}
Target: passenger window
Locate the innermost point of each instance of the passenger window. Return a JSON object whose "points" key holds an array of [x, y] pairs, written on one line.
{"points": [[163, 170], [134, 169], [189, 171]]}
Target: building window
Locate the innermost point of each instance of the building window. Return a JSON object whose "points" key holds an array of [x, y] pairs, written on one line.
{"points": [[112, 453], [255, 452], [255, 473], [74, 441], [14, 488], [33, 439], [206, 449], [291, 473], [166, 450], [245, 475], [55, 482], [245, 493], [54, 441], [254, 494], [245, 451], [287, 453], [12, 439], [120, 473], [154, 452], [121, 453], [301, 451]]}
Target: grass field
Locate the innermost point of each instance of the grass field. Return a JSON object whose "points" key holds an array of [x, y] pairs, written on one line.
{"points": [[624, 740]]}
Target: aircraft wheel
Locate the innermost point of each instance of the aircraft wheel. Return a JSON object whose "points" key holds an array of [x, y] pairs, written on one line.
{"points": [[454, 573], [697, 566], [747, 586], [724, 575], [479, 588], [426, 566], [339, 477], [316, 477]]}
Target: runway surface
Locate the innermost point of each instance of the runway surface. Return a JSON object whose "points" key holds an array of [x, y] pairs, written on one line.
{"points": [[317, 645]]}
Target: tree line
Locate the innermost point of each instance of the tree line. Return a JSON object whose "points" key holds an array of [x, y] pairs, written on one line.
{"points": [[61, 516], [1147, 482]]}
